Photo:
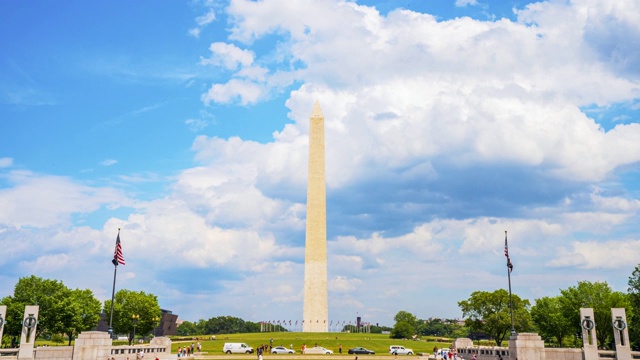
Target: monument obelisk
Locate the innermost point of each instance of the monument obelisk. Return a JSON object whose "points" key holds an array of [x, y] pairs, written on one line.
{"points": [[315, 312]]}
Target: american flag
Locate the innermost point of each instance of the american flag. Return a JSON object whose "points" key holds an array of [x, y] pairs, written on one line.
{"points": [[117, 254], [506, 252]]}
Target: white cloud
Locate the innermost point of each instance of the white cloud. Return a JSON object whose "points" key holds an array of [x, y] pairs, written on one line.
{"points": [[44, 200], [196, 125], [463, 3], [598, 255], [108, 162], [245, 92], [206, 19], [202, 22], [47, 263], [228, 55], [6, 162]]}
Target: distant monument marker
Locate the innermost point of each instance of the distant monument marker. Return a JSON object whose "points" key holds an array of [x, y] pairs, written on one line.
{"points": [[315, 312]]}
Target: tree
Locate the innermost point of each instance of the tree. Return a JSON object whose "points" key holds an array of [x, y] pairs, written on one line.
{"points": [[233, 325], [61, 310], [85, 313], [548, 317], [488, 312], [405, 326], [634, 300], [189, 328], [406, 317], [441, 327], [128, 303], [601, 298], [402, 330]]}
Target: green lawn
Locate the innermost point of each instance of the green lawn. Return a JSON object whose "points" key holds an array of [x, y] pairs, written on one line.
{"points": [[376, 342]]}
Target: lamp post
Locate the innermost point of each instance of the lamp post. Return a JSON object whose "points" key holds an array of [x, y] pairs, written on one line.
{"points": [[134, 319], [156, 322]]}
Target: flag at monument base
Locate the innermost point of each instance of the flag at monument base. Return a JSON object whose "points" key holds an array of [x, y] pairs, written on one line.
{"points": [[118, 258]]}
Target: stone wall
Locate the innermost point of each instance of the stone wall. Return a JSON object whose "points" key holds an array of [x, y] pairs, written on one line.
{"points": [[53, 352]]}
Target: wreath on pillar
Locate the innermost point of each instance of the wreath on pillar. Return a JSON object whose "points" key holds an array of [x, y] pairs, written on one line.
{"points": [[619, 324], [588, 324]]}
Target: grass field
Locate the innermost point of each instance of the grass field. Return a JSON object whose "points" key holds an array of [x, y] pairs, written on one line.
{"points": [[376, 342]]}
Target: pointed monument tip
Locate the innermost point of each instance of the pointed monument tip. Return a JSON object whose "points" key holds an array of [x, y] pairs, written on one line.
{"points": [[317, 111]]}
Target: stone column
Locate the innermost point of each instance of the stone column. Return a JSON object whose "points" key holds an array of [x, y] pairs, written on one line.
{"points": [[28, 336], [526, 346], [315, 312], [621, 333], [92, 345], [3, 319], [589, 339]]}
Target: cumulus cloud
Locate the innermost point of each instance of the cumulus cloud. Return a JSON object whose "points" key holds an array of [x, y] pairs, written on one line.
{"points": [[38, 200], [228, 55], [440, 135]]}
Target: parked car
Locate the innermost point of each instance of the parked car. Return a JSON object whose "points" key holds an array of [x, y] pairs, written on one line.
{"points": [[237, 348], [318, 350], [360, 350], [282, 350], [400, 350]]}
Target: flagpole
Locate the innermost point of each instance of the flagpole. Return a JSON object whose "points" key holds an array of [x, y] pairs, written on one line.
{"points": [[113, 292], [113, 289], [509, 267]]}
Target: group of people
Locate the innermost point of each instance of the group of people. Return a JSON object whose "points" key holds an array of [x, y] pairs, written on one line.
{"points": [[187, 350], [447, 354], [263, 348]]}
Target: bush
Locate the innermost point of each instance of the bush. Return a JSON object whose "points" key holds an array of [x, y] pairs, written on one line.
{"points": [[57, 338]]}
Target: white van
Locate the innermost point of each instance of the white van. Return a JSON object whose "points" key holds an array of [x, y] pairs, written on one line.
{"points": [[237, 348]]}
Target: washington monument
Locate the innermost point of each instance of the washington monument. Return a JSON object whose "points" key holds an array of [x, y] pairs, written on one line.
{"points": [[315, 313]]}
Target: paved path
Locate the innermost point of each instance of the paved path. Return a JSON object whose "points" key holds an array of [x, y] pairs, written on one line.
{"points": [[305, 357]]}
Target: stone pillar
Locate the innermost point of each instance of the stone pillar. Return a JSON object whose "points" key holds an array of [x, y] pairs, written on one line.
{"points": [[315, 313], [3, 319], [92, 345], [621, 334], [162, 341], [526, 346], [589, 339], [28, 335]]}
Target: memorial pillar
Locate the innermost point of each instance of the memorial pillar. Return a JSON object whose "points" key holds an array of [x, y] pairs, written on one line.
{"points": [[621, 334], [589, 339], [3, 318], [28, 335]]}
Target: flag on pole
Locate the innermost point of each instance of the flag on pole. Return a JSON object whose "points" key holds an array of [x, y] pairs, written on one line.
{"points": [[117, 254], [506, 252]]}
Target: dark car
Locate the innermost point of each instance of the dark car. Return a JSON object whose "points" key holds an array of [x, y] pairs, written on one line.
{"points": [[361, 350]]}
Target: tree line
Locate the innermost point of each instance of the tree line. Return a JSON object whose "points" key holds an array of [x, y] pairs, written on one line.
{"points": [[555, 318], [234, 325], [68, 312]]}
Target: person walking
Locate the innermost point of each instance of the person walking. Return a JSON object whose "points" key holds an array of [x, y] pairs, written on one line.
{"points": [[340, 349]]}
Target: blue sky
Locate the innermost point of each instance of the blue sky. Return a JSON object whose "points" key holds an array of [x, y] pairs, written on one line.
{"points": [[447, 122]]}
